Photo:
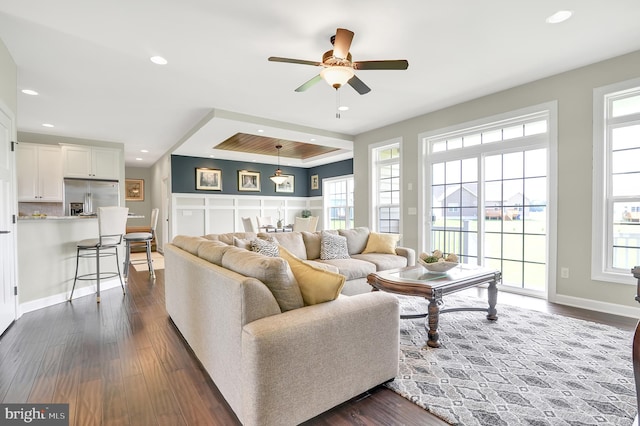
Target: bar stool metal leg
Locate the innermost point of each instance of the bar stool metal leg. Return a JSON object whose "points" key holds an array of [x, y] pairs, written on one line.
{"points": [[152, 274], [127, 258], [76, 275]]}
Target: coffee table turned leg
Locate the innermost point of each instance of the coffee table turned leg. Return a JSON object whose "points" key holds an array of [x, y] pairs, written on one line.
{"points": [[492, 313], [432, 319]]}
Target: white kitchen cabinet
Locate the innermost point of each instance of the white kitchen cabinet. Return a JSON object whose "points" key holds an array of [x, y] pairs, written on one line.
{"points": [[39, 170], [89, 162]]}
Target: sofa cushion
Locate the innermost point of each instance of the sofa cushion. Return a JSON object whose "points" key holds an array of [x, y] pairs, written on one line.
{"points": [[266, 248], [242, 243], [317, 285], [228, 237], [352, 268], [312, 242], [189, 243], [326, 266], [381, 243], [292, 241], [383, 261], [274, 272], [333, 247], [356, 238], [212, 251]]}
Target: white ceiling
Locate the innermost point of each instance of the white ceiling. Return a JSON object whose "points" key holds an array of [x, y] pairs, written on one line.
{"points": [[89, 60]]}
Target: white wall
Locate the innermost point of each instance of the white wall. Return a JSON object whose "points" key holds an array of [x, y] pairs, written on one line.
{"points": [[574, 92], [9, 80], [202, 214]]}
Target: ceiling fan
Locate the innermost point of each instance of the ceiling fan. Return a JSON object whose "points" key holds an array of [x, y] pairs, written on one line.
{"points": [[338, 68]]}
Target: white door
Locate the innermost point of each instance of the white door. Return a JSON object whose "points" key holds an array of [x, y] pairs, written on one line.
{"points": [[7, 228]]}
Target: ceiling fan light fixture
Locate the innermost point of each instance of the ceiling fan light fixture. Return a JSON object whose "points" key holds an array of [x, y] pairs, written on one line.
{"points": [[337, 76], [277, 177]]}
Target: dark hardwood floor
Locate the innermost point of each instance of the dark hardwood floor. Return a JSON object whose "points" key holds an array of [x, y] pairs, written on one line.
{"points": [[123, 363]]}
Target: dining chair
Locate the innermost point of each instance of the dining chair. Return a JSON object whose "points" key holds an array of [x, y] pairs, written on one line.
{"points": [[137, 239], [112, 225], [248, 224], [264, 222], [301, 223], [313, 223]]}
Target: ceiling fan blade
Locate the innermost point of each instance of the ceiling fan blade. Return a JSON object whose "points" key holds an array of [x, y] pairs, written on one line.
{"points": [[294, 61], [342, 43], [309, 83], [400, 64], [359, 85]]}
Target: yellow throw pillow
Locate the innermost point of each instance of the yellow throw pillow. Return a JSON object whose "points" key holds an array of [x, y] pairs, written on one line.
{"points": [[382, 243], [317, 285]]}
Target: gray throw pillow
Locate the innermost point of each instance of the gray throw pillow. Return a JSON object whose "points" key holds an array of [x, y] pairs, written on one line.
{"points": [[266, 248], [333, 247]]}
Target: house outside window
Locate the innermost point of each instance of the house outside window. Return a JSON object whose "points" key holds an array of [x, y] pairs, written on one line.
{"points": [[338, 202], [487, 190], [386, 188], [616, 196]]}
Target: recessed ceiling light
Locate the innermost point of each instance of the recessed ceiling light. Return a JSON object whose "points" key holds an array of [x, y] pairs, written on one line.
{"points": [[144, 150], [559, 16], [47, 125], [159, 60], [30, 92], [260, 131], [343, 108], [138, 159], [212, 156], [313, 139]]}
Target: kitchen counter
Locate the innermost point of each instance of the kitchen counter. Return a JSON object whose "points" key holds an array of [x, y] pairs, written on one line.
{"points": [[39, 218], [47, 259]]}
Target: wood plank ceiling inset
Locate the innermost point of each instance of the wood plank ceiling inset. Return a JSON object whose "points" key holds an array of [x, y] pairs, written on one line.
{"points": [[252, 144]]}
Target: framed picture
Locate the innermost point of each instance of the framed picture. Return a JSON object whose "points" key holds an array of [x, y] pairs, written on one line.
{"points": [[314, 182], [248, 181], [287, 185], [134, 189], [209, 179]]}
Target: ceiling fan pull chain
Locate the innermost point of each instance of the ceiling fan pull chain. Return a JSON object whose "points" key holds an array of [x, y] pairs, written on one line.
{"points": [[337, 103]]}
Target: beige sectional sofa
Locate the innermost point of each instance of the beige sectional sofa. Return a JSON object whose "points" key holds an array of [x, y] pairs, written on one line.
{"points": [[274, 364]]}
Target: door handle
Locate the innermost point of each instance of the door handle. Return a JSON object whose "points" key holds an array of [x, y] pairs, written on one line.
{"points": [[5, 232]]}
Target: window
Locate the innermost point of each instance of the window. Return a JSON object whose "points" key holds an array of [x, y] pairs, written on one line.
{"points": [[386, 188], [487, 192], [616, 196], [338, 202]]}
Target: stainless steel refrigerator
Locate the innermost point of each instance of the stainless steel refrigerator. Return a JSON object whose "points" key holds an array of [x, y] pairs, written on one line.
{"points": [[85, 196]]}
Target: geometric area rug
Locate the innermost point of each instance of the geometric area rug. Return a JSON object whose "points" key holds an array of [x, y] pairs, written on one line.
{"points": [[526, 368]]}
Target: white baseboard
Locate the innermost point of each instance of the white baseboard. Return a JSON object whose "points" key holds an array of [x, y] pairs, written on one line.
{"points": [[63, 297], [595, 305]]}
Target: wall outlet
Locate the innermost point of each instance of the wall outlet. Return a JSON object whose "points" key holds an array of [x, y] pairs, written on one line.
{"points": [[564, 272]]}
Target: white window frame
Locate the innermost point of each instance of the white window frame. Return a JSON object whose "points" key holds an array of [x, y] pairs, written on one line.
{"points": [[424, 175], [601, 245], [374, 205], [326, 212]]}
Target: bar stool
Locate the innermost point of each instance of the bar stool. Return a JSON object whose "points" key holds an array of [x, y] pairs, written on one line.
{"points": [[112, 224], [137, 239]]}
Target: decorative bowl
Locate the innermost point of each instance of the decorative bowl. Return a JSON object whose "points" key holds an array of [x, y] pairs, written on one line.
{"points": [[437, 266]]}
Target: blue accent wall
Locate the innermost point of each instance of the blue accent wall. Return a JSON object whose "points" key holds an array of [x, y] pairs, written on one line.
{"points": [[183, 176]]}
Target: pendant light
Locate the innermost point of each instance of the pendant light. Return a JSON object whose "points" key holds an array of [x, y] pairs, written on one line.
{"points": [[277, 177]]}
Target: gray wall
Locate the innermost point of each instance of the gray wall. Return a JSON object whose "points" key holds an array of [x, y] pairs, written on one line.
{"points": [[140, 207], [573, 91]]}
